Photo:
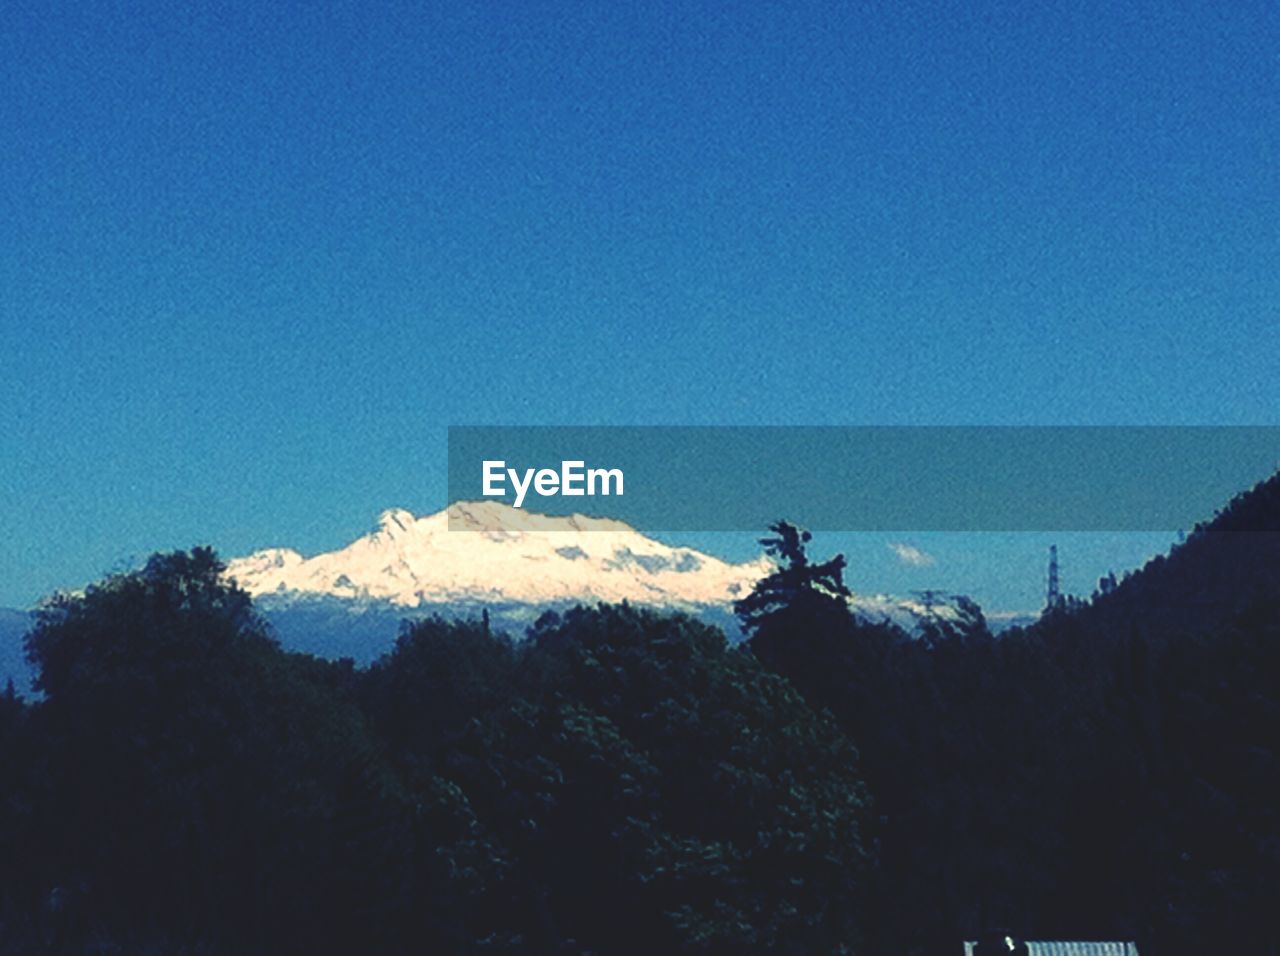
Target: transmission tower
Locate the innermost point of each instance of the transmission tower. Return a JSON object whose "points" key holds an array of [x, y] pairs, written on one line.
{"points": [[1053, 596]]}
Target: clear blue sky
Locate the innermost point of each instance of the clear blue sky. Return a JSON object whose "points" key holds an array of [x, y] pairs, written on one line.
{"points": [[255, 257]]}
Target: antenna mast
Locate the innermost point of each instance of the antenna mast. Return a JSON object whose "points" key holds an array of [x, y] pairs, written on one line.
{"points": [[1053, 596]]}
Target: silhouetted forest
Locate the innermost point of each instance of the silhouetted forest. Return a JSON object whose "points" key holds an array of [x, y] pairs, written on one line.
{"points": [[619, 781]]}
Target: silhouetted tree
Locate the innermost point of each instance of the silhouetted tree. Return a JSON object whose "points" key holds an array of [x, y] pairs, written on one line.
{"points": [[796, 588]]}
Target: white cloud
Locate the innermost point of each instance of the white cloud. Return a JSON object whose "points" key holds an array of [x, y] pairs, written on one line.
{"points": [[910, 554]]}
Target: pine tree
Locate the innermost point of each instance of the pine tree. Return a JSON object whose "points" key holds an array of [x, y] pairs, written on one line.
{"points": [[796, 587]]}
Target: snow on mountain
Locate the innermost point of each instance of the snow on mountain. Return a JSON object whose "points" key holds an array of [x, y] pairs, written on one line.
{"points": [[510, 563], [484, 556], [491, 552]]}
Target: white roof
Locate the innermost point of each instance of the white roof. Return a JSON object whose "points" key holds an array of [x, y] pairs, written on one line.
{"points": [[1062, 948]]}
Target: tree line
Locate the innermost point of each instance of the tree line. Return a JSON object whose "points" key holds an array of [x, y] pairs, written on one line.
{"points": [[622, 781]]}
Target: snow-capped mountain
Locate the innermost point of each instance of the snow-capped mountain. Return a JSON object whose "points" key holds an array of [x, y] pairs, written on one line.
{"points": [[478, 557], [478, 552], [488, 557], [482, 557]]}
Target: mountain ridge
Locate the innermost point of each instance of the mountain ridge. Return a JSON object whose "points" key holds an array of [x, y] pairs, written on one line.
{"points": [[488, 551]]}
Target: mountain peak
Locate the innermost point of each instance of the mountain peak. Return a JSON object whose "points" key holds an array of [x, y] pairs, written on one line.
{"points": [[498, 516], [396, 520], [514, 556], [487, 553]]}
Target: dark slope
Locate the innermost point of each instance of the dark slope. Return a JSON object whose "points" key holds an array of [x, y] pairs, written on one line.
{"points": [[1170, 699], [13, 664], [1227, 566]]}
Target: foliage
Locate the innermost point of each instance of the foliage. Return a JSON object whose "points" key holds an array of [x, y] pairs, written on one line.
{"points": [[622, 782], [795, 587], [1108, 773], [618, 782]]}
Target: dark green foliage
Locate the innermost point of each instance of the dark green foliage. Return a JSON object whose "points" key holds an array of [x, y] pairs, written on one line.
{"points": [[623, 782], [189, 762], [796, 588], [440, 676], [620, 782], [653, 789], [800, 613], [751, 805], [1112, 772]]}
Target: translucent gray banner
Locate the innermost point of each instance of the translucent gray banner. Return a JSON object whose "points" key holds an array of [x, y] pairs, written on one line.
{"points": [[927, 478]]}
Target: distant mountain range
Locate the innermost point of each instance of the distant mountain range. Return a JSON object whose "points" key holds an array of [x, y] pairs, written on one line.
{"points": [[487, 556], [514, 564], [488, 552], [475, 558]]}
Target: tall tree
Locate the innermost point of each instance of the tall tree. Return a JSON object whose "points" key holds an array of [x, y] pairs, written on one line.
{"points": [[796, 587]]}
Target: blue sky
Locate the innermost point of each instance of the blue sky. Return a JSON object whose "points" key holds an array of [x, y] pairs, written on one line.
{"points": [[256, 257]]}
